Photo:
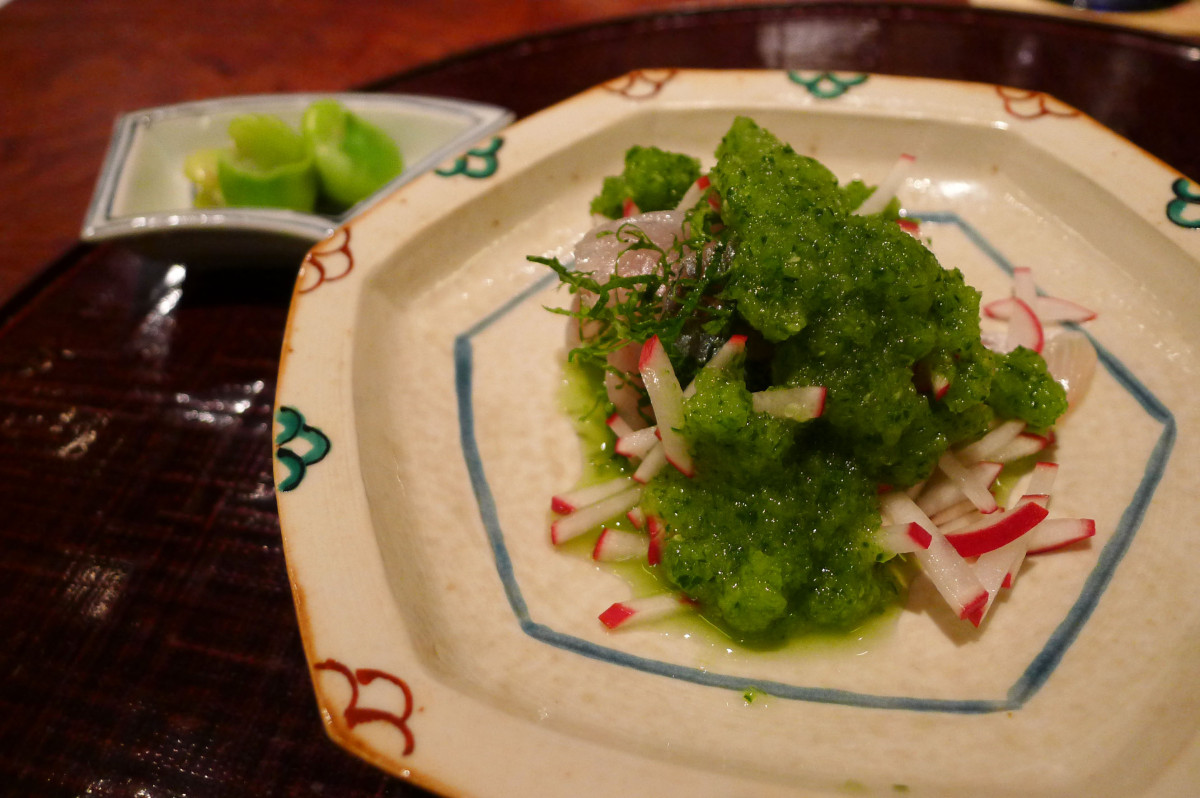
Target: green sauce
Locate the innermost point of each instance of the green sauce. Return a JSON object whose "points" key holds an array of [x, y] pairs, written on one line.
{"points": [[773, 535]]}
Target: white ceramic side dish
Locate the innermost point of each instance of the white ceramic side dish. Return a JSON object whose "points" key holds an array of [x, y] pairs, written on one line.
{"points": [[420, 435], [142, 188]]}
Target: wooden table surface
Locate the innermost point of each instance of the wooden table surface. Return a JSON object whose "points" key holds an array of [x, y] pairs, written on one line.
{"points": [[71, 67]]}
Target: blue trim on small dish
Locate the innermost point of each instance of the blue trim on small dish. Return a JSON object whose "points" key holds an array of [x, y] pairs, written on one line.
{"points": [[1030, 681]]}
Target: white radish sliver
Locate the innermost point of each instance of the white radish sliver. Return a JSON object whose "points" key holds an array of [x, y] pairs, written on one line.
{"points": [[995, 440], [593, 515], [949, 572], [651, 464], [572, 500], [888, 187], [969, 482]]}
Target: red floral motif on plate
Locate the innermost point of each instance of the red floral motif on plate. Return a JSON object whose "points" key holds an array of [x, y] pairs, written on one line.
{"points": [[355, 714], [329, 260]]}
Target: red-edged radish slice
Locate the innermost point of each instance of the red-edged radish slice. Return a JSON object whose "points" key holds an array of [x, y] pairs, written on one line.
{"points": [[903, 538], [629, 208], [623, 391], [944, 518], [910, 226], [657, 532], [695, 192], [946, 569], [1023, 287], [971, 483], [1041, 479], [1024, 329], [996, 439], [632, 612], [995, 568], [618, 425], [888, 187], [1007, 527], [1071, 360], [637, 517], [1055, 533], [572, 500], [1053, 309], [615, 545], [637, 443], [654, 461], [593, 515], [1049, 310], [666, 397], [1024, 445], [723, 357], [802, 403], [939, 384], [944, 492]]}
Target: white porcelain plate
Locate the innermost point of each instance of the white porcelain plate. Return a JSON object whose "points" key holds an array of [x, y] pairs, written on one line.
{"points": [[142, 188], [420, 435]]}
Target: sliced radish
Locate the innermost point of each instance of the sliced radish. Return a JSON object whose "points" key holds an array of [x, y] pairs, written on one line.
{"points": [[1007, 527], [593, 515], [1024, 445], [1041, 479], [631, 612], [1049, 310], [903, 538], [637, 517], [996, 568], [724, 356], [947, 570], [973, 484], [618, 425], [629, 208], [939, 384], [657, 532], [666, 397], [654, 461], [637, 443], [888, 188], [572, 500], [1071, 360], [910, 226], [1055, 533], [624, 392], [944, 518], [615, 545], [996, 439], [943, 492], [802, 403], [1023, 287], [1024, 328]]}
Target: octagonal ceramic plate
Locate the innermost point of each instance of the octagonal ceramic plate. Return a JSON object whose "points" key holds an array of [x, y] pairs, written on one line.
{"points": [[420, 435]]}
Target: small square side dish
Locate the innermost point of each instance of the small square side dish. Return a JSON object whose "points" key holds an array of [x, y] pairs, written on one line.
{"points": [[142, 189]]}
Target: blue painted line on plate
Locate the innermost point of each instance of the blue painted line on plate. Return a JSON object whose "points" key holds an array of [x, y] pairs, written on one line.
{"points": [[479, 483], [1031, 680]]}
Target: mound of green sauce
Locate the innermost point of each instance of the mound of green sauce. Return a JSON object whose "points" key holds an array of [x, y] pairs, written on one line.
{"points": [[773, 534]]}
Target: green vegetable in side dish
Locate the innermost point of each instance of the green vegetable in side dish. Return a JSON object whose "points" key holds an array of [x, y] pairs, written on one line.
{"points": [[268, 166], [338, 160]]}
